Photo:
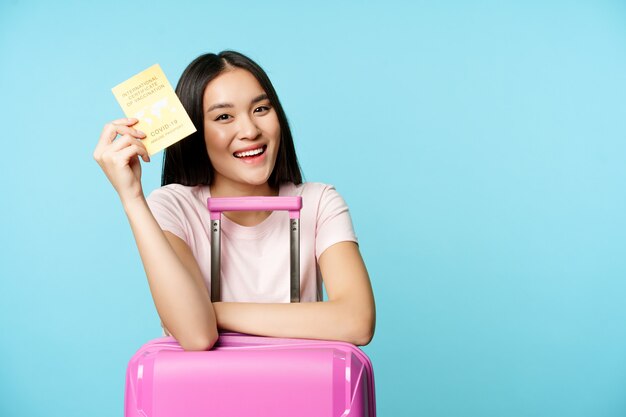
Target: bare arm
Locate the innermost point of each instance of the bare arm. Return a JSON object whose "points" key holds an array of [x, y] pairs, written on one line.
{"points": [[175, 281], [348, 315], [179, 294]]}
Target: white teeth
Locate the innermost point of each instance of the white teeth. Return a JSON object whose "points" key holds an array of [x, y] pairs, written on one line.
{"points": [[249, 153]]}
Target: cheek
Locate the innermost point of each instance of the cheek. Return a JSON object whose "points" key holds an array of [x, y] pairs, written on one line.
{"points": [[277, 132], [273, 128], [214, 138]]}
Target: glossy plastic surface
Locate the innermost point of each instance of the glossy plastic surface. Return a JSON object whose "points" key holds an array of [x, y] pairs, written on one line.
{"points": [[247, 375], [217, 205]]}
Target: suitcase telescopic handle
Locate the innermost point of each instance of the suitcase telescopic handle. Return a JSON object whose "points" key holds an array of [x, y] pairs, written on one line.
{"points": [[293, 205]]}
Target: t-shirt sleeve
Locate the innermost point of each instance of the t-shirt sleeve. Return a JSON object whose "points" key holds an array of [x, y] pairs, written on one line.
{"points": [[334, 223], [168, 212]]}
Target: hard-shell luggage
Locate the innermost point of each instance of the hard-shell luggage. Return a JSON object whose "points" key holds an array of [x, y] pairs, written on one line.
{"points": [[251, 376]]}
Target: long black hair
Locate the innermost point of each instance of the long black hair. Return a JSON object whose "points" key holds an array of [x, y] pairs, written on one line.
{"points": [[187, 161]]}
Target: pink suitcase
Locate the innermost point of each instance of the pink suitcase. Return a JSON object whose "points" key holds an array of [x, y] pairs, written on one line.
{"points": [[251, 376]]}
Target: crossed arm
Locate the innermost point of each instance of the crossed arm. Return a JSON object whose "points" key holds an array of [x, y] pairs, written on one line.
{"points": [[183, 302]]}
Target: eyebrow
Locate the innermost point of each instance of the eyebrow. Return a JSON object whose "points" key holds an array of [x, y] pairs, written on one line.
{"points": [[258, 98]]}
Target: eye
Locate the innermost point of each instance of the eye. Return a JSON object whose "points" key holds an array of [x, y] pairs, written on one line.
{"points": [[222, 117], [262, 109]]}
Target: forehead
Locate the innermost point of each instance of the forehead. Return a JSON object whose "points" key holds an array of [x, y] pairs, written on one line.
{"points": [[236, 86]]}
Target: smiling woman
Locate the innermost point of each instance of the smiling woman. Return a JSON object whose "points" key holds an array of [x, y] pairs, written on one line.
{"points": [[243, 147]]}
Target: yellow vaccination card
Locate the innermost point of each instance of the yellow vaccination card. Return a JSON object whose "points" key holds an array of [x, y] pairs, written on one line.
{"points": [[150, 98]]}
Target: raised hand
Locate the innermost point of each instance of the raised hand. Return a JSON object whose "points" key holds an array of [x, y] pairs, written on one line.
{"points": [[118, 152]]}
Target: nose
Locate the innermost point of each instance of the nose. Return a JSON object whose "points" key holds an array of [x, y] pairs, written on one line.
{"points": [[248, 129]]}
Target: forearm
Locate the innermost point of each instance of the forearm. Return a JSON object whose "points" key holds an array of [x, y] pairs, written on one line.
{"points": [[349, 315], [330, 320], [181, 301]]}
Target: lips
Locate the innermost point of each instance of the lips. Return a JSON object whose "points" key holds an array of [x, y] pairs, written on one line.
{"points": [[251, 152]]}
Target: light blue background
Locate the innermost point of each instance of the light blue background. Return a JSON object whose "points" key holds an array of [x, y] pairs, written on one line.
{"points": [[480, 146]]}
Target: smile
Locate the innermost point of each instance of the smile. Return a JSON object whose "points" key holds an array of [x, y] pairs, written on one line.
{"points": [[251, 152]]}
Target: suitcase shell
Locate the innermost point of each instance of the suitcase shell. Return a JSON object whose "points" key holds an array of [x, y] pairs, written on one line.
{"points": [[246, 375]]}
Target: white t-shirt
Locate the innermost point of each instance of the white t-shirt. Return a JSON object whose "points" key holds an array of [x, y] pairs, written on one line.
{"points": [[255, 260]]}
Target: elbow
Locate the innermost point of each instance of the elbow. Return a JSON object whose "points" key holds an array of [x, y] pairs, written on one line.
{"points": [[199, 341], [362, 337], [361, 331]]}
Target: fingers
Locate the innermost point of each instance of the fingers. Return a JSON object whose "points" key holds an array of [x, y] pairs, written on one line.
{"points": [[111, 131], [127, 141], [131, 151], [118, 151], [110, 153], [119, 127]]}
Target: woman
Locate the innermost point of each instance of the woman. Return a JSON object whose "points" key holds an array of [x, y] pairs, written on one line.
{"points": [[243, 147]]}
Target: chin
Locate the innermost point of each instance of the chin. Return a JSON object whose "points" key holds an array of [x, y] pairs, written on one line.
{"points": [[256, 181]]}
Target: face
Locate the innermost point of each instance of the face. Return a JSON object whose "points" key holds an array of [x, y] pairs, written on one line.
{"points": [[242, 133]]}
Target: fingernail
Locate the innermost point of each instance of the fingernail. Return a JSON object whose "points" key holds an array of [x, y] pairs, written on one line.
{"points": [[141, 133]]}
